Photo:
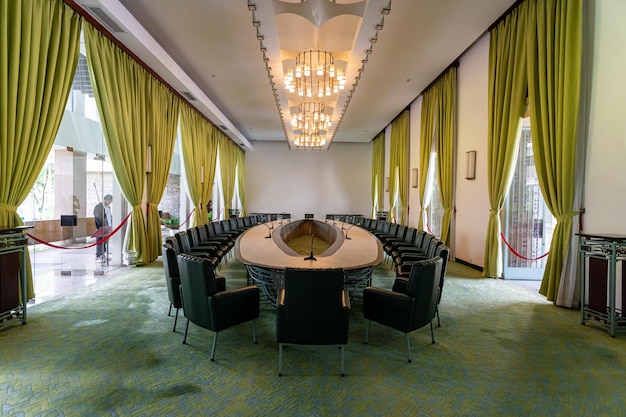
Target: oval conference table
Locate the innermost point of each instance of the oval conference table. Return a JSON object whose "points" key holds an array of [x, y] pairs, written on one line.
{"points": [[265, 251]]}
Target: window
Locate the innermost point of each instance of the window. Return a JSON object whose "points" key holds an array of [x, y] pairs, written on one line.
{"points": [[528, 224]]}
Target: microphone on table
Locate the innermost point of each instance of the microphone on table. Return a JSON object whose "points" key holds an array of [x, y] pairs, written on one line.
{"points": [[348, 229], [311, 257], [269, 231]]}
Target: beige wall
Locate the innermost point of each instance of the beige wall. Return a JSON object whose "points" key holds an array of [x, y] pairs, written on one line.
{"points": [[333, 181], [605, 185]]}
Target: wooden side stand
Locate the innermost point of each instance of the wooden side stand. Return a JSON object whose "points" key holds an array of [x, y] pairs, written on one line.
{"points": [[599, 282], [13, 282]]}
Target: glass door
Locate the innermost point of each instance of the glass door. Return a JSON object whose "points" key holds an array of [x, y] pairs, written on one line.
{"points": [[528, 224]]}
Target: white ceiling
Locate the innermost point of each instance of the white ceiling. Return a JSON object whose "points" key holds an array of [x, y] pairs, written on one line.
{"points": [[209, 48]]}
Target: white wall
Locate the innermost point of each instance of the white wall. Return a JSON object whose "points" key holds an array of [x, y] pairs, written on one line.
{"points": [[605, 185], [319, 182], [472, 197]]}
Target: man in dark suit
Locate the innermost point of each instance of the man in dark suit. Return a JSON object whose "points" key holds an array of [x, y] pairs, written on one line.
{"points": [[102, 216]]}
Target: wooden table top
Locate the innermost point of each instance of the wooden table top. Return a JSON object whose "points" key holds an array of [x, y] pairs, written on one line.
{"points": [[361, 250]]}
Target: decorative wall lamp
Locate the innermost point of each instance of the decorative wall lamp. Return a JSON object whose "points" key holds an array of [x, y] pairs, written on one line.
{"points": [[414, 178], [470, 165]]}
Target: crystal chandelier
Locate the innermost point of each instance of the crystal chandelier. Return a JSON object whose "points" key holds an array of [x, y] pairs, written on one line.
{"points": [[315, 75], [310, 140], [311, 116], [310, 125]]}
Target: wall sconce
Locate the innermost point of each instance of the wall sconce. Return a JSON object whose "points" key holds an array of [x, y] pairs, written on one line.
{"points": [[414, 178], [470, 165], [149, 160], [202, 174], [387, 184]]}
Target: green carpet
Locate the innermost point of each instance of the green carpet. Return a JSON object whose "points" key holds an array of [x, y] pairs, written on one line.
{"points": [[502, 350]]}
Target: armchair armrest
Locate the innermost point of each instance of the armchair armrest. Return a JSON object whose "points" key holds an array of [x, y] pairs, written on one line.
{"points": [[387, 307], [234, 307], [400, 284]]}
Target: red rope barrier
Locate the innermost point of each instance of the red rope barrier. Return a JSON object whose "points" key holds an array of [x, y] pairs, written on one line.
{"points": [[517, 254], [178, 226], [104, 239]]}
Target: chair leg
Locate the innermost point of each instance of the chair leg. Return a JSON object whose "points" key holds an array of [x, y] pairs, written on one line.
{"points": [[186, 329], [213, 348], [342, 361], [367, 332], [169, 312], [175, 320], [408, 345], [280, 359], [438, 321], [432, 333], [253, 332]]}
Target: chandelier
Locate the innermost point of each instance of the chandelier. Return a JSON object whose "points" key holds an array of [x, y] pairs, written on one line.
{"points": [[311, 141], [311, 117], [315, 75], [310, 125]]}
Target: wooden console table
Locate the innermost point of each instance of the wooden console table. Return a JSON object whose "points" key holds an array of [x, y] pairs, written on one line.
{"points": [[13, 282], [599, 284]]}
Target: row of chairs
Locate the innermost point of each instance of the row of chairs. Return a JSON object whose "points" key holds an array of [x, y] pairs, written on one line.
{"points": [[212, 241], [313, 306], [404, 246]]}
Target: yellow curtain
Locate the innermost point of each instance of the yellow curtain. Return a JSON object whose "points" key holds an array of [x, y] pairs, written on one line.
{"points": [[427, 132], [228, 165], [554, 78], [120, 88], [507, 97], [398, 165], [378, 172], [199, 149], [241, 179], [446, 123], [39, 47], [164, 114]]}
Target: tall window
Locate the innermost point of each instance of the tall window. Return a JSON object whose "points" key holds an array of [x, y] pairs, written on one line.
{"points": [[435, 209], [528, 224]]}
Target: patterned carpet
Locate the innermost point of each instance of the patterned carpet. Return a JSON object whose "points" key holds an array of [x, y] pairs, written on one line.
{"points": [[109, 350]]}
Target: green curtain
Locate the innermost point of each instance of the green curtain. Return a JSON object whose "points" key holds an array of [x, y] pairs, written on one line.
{"points": [[378, 172], [164, 110], [554, 77], [120, 88], [399, 166], [427, 133], [199, 149], [39, 48], [445, 146], [228, 166], [507, 98], [241, 179]]}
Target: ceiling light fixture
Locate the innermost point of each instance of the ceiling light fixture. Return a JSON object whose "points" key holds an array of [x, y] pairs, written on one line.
{"points": [[314, 75], [311, 116], [310, 125]]}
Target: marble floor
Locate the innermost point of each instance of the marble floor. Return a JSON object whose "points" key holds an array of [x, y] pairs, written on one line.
{"points": [[57, 272]]}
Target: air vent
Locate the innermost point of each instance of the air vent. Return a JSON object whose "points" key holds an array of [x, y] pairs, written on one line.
{"points": [[106, 20], [188, 95]]}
